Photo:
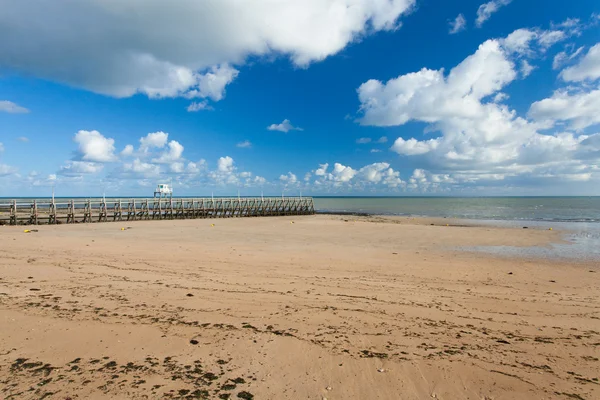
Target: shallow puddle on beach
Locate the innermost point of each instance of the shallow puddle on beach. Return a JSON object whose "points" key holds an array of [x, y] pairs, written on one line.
{"points": [[581, 242]]}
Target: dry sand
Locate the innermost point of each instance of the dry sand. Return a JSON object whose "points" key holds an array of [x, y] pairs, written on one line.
{"points": [[325, 307]]}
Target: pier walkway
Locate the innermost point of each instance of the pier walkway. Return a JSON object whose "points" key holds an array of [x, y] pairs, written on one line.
{"points": [[59, 211]]}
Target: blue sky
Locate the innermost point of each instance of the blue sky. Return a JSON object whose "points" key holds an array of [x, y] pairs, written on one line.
{"points": [[343, 97]]}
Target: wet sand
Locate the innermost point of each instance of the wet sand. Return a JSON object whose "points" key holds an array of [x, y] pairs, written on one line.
{"points": [[318, 307]]}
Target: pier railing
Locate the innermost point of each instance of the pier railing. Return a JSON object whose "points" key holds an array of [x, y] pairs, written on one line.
{"points": [[49, 211]]}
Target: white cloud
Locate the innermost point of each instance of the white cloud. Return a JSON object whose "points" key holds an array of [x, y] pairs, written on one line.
{"points": [[580, 108], [564, 57], [289, 179], [225, 164], [374, 172], [244, 145], [114, 47], [171, 154], [196, 167], [485, 11], [340, 174], [322, 170], [413, 146], [127, 151], [459, 24], [500, 97], [12, 108], [94, 147], [363, 140], [343, 176], [375, 151], [429, 96], [6, 170], [549, 38], [227, 175], [285, 126], [525, 42], [23, 139], [519, 41], [587, 69], [177, 167], [75, 168], [382, 139], [1, 147], [212, 84], [259, 181], [154, 140], [199, 106], [526, 68], [481, 139], [142, 168]]}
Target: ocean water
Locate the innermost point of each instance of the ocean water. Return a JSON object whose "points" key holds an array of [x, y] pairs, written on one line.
{"points": [[570, 209], [578, 218]]}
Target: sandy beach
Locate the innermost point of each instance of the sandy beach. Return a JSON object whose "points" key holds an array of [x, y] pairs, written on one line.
{"points": [[316, 307]]}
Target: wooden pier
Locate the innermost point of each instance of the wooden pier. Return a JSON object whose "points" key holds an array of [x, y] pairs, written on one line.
{"points": [[70, 211]]}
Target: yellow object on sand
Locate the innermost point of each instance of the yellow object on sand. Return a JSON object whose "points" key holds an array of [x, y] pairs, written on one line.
{"points": [[26, 231], [212, 224], [550, 229], [122, 229]]}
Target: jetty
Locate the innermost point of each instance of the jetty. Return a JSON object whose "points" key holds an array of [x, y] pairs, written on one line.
{"points": [[71, 211]]}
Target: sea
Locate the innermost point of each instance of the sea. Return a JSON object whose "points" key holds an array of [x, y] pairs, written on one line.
{"points": [[577, 217]]}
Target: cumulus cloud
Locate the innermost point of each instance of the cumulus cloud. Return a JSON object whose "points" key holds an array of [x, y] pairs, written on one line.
{"points": [[212, 84], [429, 96], [140, 168], [171, 154], [94, 147], [576, 105], [127, 151], [244, 145], [363, 140], [413, 146], [579, 108], [339, 174], [380, 173], [154, 140], [199, 106], [76, 168], [12, 108], [342, 176], [459, 24], [485, 11], [382, 139], [500, 97], [196, 167], [587, 69], [285, 127], [114, 48], [289, 179], [481, 139], [225, 164]]}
